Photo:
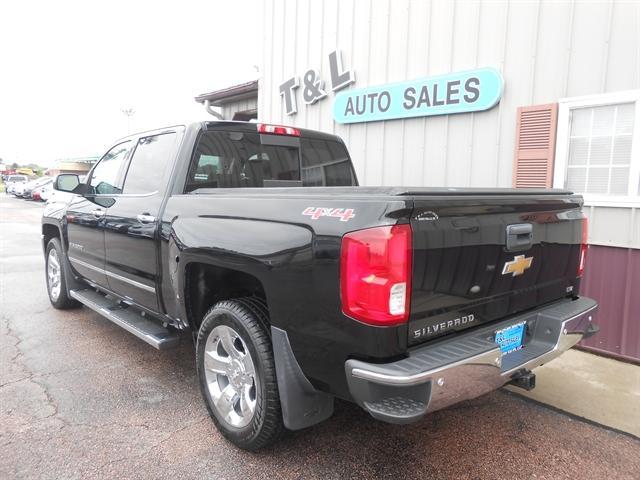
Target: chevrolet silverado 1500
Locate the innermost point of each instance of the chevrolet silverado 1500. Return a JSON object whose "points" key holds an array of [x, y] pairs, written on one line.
{"points": [[298, 286]]}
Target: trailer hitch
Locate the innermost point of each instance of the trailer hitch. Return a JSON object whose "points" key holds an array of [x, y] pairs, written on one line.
{"points": [[524, 379]]}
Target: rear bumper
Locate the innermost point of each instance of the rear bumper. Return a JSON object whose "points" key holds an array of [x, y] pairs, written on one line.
{"points": [[467, 366]]}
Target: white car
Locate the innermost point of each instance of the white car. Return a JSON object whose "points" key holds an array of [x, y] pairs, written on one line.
{"points": [[56, 196], [13, 180], [44, 192], [18, 189], [34, 184]]}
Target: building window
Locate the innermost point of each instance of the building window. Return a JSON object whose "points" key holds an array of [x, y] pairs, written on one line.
{"points": [[598, 147]]}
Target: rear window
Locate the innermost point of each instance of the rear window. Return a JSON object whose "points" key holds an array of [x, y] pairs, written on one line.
{"points": [[326, 163], [17, 178], [224, 159]]}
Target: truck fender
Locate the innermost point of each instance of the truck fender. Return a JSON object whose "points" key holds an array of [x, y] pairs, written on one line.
{"points": [[72, 281], [302, 405]]}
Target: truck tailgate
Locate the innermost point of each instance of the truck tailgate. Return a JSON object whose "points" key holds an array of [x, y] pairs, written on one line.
{"points": [[478, 258]]}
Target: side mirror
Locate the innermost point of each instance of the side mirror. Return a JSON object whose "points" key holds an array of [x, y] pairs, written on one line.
{"points": [[66, 182]]}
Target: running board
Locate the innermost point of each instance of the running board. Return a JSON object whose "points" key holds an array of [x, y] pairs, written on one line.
{"points": [[126, 317]]}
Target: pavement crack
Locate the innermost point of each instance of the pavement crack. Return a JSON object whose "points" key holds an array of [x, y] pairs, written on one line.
{"points": [[31, 375], [16, 381], [12, 334]]}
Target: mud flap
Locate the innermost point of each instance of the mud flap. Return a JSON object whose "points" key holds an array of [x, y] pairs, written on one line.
{"points": [[302, 405], [72, 281]]}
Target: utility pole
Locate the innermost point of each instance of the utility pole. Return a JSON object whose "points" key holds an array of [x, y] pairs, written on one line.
{"points": [[129, 112]]}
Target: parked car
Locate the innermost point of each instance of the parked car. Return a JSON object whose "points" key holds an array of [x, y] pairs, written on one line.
{"points": [[297, 286], [12, 181], [18, 189], [36, 194], [43, 193], [34, 184]]}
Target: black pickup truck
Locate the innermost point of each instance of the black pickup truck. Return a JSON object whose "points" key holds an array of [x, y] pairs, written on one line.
{"points": [[298, 286]]}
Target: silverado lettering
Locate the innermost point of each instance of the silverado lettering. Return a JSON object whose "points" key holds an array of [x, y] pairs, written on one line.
{"points": [[443, 326]]}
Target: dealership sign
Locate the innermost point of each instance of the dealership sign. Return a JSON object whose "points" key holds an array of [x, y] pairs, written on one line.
{"points": [[313, 88], [460, 92]]}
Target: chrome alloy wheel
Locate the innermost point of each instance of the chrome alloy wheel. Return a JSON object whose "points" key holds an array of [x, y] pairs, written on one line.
{"points": [[231, 376], [53, 274]]}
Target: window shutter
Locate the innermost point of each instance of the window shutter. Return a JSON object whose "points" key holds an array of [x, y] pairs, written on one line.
{"points": [[535, 146]]}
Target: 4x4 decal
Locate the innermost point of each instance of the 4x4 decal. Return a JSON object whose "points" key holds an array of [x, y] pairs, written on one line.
{"points": [[344, 214]]}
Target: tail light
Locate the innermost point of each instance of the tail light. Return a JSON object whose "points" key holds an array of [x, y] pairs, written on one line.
{"points": [[583, 246], [278, 130], [375, 274]]}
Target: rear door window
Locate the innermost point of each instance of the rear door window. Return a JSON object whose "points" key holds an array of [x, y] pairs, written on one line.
{"points": [[149, 164], [224, 159]]}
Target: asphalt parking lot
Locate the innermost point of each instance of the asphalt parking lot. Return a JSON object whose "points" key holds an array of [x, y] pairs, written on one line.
{"points": [[82, 398]]}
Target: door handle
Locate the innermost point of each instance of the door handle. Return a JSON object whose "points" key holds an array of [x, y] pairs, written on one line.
{"points": [[98, 212], [519, 237], [146, 218]]}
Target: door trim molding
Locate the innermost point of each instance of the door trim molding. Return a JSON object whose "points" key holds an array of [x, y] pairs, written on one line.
{"points": [[108, 273]]}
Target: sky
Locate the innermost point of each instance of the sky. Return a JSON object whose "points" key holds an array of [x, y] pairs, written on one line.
{"points": [[68, 69]]}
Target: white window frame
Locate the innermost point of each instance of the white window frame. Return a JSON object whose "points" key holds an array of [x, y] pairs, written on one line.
{"points": [[565, 105]]}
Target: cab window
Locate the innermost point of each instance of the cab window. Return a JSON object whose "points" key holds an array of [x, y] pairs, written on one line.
{"points": [[326, 163], [224, 159], [104, 178], [149, 164]]}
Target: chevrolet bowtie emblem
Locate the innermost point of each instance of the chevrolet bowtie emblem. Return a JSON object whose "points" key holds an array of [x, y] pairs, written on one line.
{"points": [[517, 266]]}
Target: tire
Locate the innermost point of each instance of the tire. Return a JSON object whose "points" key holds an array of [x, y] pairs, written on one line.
{"points": [[54, 270], [244, 407]]}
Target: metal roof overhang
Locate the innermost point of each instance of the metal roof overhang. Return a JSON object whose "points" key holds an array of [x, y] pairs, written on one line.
{"points": [[234, 93]]}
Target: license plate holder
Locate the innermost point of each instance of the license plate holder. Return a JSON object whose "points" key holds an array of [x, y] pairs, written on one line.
{"points": [[510, 339]]}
